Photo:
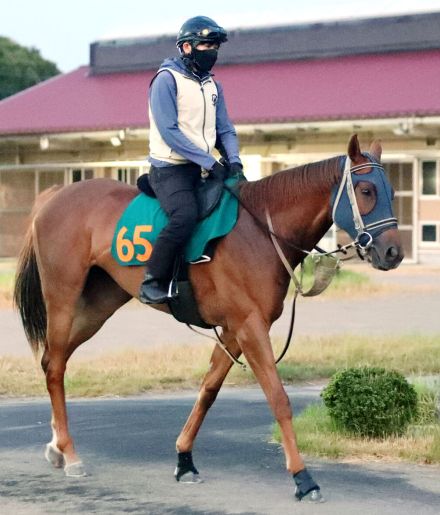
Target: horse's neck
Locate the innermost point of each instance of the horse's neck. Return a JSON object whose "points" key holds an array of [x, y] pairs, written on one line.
{"points": [[298, 201]]}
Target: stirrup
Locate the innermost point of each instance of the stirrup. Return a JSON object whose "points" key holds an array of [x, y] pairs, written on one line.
{"points": [[173, 289]]}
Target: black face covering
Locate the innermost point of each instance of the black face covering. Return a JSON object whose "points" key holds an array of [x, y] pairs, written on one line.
{"points": [[204, 60]]}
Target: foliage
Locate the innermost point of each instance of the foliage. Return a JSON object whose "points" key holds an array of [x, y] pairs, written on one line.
{"points": [[428, 403], [318, 435], [21, 67], [371, 401]]}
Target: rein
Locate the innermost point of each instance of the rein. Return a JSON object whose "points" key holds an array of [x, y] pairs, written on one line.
{"points": [[329, 264], [235, 360]]}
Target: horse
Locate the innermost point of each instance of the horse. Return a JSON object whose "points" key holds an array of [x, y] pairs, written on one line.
{"points": [[68, 284]]}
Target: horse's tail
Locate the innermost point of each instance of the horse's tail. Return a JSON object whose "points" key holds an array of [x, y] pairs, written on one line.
{"points": [[28, 296]]}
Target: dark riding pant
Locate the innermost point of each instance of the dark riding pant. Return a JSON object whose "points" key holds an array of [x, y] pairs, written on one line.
{"points": [[174, 187]]}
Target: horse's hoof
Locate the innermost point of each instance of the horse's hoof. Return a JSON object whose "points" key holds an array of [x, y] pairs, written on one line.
{"points": [[314, 496], [188, 478], [54, 456], [75, 470]]}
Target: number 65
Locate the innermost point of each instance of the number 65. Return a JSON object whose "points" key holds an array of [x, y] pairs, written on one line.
{"points": [[125, 247]]}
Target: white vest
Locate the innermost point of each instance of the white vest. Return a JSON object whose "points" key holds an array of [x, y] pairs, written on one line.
{"points": [[196, 116]]}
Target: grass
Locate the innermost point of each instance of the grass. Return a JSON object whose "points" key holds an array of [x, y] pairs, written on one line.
{"points": [[317, 435], [320, 357], [183, 366], [123, 373]]}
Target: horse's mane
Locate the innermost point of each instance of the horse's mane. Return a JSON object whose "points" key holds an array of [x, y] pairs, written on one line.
{"points": [[287, 186]]}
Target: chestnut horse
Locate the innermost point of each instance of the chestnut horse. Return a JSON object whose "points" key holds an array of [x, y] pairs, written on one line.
{"points": [[68, 283]]}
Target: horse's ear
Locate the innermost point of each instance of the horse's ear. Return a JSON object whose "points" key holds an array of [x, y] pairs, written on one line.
{"points": [[354, 150], [376, 150]]}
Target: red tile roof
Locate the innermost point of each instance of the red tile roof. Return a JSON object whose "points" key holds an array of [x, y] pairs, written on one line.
{"points": [[76, 101], [372, 86]]}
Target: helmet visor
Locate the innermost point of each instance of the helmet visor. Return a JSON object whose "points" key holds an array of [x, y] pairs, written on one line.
{"points": [[215, 34]]}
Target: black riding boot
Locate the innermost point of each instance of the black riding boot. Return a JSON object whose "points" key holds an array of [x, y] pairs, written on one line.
{"points": [[154, 291], [156, 288]]}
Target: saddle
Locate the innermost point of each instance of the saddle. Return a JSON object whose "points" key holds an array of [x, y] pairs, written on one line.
{"points": [[208, 193], [141, 222]]}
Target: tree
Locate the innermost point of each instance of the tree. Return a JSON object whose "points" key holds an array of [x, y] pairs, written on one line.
{"points": [[21, 67]]}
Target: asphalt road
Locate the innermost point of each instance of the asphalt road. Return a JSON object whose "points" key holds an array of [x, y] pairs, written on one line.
{"points": [[128, 447]]}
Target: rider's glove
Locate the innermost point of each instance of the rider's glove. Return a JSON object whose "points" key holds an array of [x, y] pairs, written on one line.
{"points": [[235, 170], [218, 172]]}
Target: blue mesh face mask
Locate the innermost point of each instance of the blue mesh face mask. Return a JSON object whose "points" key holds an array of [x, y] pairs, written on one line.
{"points": [[363, 229]]}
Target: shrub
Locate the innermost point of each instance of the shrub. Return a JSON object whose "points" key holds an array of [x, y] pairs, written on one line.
{"points": [[428, 403], [370, 401]]}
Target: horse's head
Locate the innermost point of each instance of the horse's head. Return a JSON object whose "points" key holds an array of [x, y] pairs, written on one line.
{"points": [[362, 206]]}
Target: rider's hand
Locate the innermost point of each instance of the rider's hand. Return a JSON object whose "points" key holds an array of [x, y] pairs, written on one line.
{"points": [[218, 172], [235, 170]]}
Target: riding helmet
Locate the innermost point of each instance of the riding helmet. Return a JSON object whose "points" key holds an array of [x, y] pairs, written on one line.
{"points": [[201, 29]]}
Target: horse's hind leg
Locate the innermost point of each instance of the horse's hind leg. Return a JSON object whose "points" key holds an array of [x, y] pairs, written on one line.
{"points": [[220, 365], [100, 298], [61, 449]]}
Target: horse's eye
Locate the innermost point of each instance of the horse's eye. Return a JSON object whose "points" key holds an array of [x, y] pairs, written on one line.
{"points": [[366, 191]]}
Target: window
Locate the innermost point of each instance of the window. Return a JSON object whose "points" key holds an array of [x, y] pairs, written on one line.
{"points": [[400, 176], [76, 175], [17, 190], [128, 175], [430, 179], [430, 234], [47, 179], [82, 174], [17, 193]]}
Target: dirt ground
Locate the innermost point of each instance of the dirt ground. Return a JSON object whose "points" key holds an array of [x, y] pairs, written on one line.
{"points": [[409, 302]]}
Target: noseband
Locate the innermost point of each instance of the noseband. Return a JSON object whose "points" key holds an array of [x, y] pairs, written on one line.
{"points": [[364, 239]]}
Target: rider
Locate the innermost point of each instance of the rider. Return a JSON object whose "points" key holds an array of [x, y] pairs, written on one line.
{"points": [[188, 118]]}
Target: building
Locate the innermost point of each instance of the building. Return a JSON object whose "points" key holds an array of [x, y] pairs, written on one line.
{"points": [[296, 94]]}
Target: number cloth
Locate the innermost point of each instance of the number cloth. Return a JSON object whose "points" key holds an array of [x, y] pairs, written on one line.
{"points": [[143, 219]]}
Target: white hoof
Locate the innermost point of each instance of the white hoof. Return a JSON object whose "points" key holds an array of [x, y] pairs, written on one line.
{"points": [[54, 456], [314, 496], [75, 470], [190, 478]]}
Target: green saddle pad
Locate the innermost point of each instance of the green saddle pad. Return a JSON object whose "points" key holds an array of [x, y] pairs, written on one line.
{"points": [[143, 219]]}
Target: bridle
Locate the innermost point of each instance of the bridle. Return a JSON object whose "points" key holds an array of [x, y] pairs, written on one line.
{"points": [[362, 243], [364, 239]]}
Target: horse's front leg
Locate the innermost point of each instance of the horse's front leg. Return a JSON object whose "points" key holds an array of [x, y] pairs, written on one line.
{"points": [[220, 365], [253, 338]]}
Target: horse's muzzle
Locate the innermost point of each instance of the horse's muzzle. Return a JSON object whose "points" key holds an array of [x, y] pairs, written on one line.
{"points": [[386, 252]]}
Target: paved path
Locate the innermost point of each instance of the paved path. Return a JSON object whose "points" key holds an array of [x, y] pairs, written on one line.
{"points": [[412, 305], [128, 446]]}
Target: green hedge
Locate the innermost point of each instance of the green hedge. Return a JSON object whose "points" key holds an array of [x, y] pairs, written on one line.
{"points": [[370, 401]]}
